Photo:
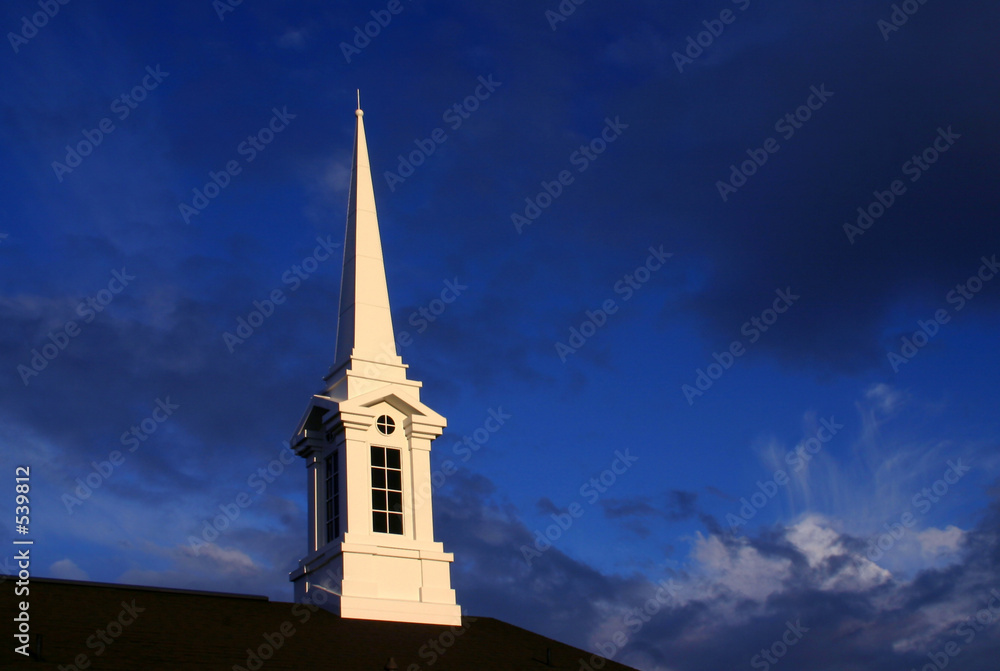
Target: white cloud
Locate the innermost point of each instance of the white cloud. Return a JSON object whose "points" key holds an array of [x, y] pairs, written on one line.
{"points": [[67, 570], [815, 537], [741, 570], [292, 39], [937, 542], [213, 568], [884, 397], [337, 176], [745, 572], [228, 560]]}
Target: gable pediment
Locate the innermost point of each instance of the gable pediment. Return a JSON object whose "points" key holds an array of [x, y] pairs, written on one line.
{"points": [[312, 419], [401, 401], [321, 407]]}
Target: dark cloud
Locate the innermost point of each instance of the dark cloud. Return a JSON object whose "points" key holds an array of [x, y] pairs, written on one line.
{"points": [[679, 505], [546, 507], [617, 508], [851, 614]]}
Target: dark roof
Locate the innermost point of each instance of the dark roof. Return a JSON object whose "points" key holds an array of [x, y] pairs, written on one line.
{"points": [[175, 629]]}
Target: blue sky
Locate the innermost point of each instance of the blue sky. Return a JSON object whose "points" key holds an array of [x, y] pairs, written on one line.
{"points": [[562, 158]]}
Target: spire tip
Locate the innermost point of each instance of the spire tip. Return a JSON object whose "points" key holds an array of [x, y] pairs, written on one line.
{"points": [[358, 111]]}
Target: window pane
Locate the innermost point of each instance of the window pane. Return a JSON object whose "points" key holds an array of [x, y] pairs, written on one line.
{"points": [[392, 458], [395, 500], [387, 506]]}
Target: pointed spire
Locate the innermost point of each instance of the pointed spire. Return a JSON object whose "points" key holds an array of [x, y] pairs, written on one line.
{"points": [[364, 328]]}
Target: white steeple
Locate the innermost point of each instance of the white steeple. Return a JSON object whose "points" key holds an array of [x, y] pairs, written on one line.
{"points": [[366, 353], [367, 440], [365, 325]]}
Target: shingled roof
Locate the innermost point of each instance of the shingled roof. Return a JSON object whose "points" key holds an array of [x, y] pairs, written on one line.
{"points": [[106, 626]]}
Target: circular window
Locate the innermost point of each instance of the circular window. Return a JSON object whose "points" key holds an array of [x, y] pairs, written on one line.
{"points": [[385, 425]]}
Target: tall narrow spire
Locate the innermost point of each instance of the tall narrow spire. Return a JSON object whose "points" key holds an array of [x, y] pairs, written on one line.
{"points": [[364, 328]]}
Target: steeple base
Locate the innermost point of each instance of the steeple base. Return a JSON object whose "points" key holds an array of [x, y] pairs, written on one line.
{"points": [[361, 608], [389, 584]]}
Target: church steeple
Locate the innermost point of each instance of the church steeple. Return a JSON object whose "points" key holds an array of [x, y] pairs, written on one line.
{"points": [[367, 441], [366, 344], [365, 324]]}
